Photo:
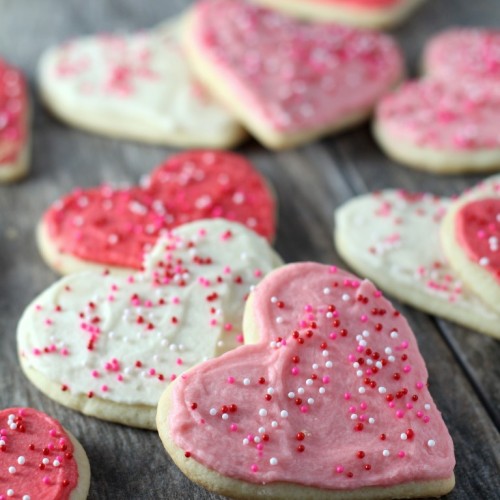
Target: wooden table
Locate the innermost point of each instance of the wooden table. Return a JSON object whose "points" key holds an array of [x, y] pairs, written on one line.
{"points": [[310, 182]]}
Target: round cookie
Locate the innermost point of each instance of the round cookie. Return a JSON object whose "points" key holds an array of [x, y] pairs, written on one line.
{"points": [[376, 14], [91, 228], [14, 124], [298, 81], [135, 87], [40, 459], [447, 129], [470, 53], [470, 235], [331, 402], [393, 238], [108, 345]]}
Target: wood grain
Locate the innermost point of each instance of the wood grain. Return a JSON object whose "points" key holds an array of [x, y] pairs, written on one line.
{"points": [[310, 182]]}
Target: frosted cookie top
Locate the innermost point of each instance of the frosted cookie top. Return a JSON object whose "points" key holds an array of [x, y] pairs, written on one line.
{"points": [[36, 456], [334, 394], [116, 226], [124, 338], [13, 111], [464, 54], [433, 114], [295, 75]]}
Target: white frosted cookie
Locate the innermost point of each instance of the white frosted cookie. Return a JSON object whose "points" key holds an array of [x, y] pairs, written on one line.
{"points": [[289, 82], [42, 458], [14, 124], [135, 87], [376, 14], [329, 403], [393, 237], [108, 345], [470, 235]]}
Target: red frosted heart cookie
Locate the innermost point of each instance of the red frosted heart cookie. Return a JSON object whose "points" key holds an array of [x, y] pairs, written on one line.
{"points": [[447, 122], [39, 458], [363, 13], [470, 53], [103, 226], [14, 117], [289, 81], [470, 235], [330, 402]]}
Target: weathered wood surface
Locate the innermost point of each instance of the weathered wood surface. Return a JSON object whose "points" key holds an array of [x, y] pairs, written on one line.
{"points": [[310, 182]]}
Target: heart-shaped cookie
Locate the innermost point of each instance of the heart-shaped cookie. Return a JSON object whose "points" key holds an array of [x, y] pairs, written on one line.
{"points": [[106, 227], [14, 124], [447, 122], [108, 345], [331, 402], [134, 87], [470, 235], [39, 458], [393, 237], [288, 81], [362, 13]]}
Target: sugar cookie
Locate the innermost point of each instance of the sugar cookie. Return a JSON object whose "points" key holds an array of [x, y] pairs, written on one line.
{"points": [[289, 82], [330, 403], [92, 228], [40, 459], [135, 87], [108, 345]]}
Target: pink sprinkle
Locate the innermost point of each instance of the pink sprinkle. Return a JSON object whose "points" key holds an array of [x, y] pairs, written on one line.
{"points": [[239, 338], [64, 351], [227, 270], [176, 300], [391, 404], [152, 371], [401, 454], [53, 432], [419, 414], [347, 395], [407, 368], [426, 419], [260, 446], [404, 344], [377, 294], [254, 468], [351, 358], [308, 308], [230, 380], [420, 385], [333, 335], [352, 409], [362, 418], [339, 469], [295, 371], [364, 318], [173, 377], [36, 352], [409, 406], [46, 480], [228, 327], [304, 409], [234, 427], [326, 379], [257, 273], [400, 414], [213, 322], [359, 348], [104, 388], [178, 361], [119, 378], [363, 406], [95, 373]]}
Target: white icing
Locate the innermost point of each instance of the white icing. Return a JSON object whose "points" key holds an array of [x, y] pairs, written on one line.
{"points": [[138, 85], [192, 339], [397, 240]]}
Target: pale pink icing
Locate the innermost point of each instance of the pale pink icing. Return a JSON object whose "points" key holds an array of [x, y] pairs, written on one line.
{"points": [[293, 75], [36, 456], [359, 4], [115, 227], [13, 110], [478, 232], [433, 114], [464, 53], [365, 411]]}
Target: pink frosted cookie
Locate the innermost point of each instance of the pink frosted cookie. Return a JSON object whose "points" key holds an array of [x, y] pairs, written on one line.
{"points": [[14, 124], [40, 459], [108, 345], [432, 125], [288, 82], [464, 54], [362, 13], [393, 237], [330, 403], [135, 87], [107, 227], [471, 240]]}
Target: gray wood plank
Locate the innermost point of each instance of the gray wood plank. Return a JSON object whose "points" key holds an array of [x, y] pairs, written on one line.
{"points": [[310, 182]]}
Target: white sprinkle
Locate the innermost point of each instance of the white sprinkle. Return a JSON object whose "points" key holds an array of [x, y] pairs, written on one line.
{"points": [[315, 366], [10, 492], [284, 413], [262, 430], [386, 453], [361, 390], [279, 320], [256, 439], [391, 359], [484, 261], [21, 460], [270, 390], [262, 412], [45, 461], [224, 416], [325, 354], [291, 395], [273, 461], [404, 436], [213, 411], [359, 373], [328, 364], [2, 442], [309, 381], [366, 333], [394, 334], [388, 350], [274, 424], [362, 343], [274, 300], [355, 365], [12, 470], [246, 381], [371, 420], [326, 290], [354, 416], [369, 361], [431, 443], [56, 463], [310, 401], [13, 426], [382, 390], [26, 497], [322, 390], [427, 406], [345, 297], [300, 390], [379, 364], [245, 441]]}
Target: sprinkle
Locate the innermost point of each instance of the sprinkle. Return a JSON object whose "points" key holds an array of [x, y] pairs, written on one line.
{"points": [[284, 413], [431, 443], [386, 453], [263, 412], [273, 461]]}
